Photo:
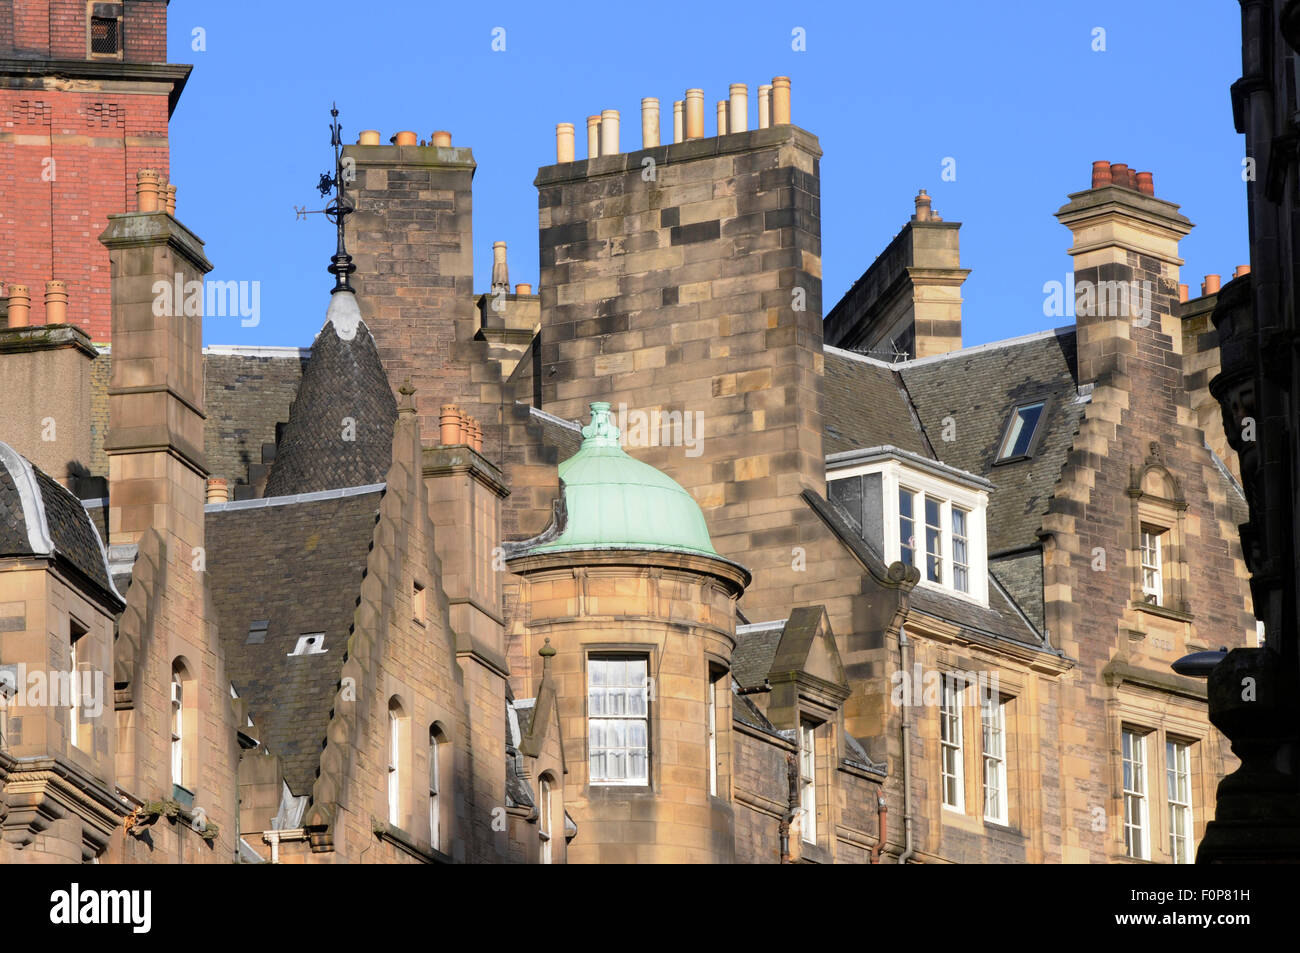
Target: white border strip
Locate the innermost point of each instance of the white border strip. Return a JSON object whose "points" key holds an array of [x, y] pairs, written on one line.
{"points": [[297, 498]]}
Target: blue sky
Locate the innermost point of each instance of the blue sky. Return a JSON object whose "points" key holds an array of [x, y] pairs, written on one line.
{"points": [[1013, 92]]}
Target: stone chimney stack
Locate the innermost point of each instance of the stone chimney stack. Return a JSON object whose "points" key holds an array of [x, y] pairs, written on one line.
{"points": [[908, 303], [157, 471], [1126, 264]]}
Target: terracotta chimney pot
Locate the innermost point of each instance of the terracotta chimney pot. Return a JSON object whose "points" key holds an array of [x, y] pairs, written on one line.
{"points": [[609, 132], [781, 100], [738, 117], [146, 190], [171, 200], [765, 106], [1146, 183], [523, 289], [722, 117], [449, 424], [218, 490], [1100, 174], [368, 137], [20, 306], [1241, 270], [695, 114], [593, 137], [56, 302], [1210, 285], [441, 138], [1182, 293], [677, 120], [406, 138], [1119, 174]]}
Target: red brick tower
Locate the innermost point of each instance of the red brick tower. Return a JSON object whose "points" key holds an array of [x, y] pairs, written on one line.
{"points": [[85, 96]]}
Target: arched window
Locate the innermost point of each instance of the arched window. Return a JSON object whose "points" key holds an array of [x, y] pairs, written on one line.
{"points": [[397, 763], [437, 765], [184, 748]]}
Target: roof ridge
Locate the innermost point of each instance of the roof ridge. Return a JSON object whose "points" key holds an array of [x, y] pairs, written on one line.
{"points": [[990, 346]]}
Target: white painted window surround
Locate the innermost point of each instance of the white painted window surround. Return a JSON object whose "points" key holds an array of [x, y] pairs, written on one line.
{"points": [[895, 474]]}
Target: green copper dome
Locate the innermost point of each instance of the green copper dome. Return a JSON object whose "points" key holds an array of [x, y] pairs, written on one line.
{"points": [[614, 501]]}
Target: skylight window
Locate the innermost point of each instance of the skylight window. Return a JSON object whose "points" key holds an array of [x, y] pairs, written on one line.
{"points": [[1020, 431]]}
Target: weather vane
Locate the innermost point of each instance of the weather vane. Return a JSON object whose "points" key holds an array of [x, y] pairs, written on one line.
{"points": [[339, 209]]}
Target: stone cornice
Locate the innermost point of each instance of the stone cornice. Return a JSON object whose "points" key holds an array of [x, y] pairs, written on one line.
{"points": [[27, 70]]}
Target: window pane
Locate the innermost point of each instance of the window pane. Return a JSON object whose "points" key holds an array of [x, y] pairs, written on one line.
{"points": [[1021, 431]]}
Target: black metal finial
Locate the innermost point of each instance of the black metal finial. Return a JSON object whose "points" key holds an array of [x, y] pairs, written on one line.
{"points": [[339, 209]]}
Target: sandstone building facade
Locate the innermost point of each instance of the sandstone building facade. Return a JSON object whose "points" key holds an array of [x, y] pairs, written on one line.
{"points": [[661, 561]]}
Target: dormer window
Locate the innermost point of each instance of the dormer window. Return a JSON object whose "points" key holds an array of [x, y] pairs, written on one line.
{"points": [[1021, 430], [918, 511]]}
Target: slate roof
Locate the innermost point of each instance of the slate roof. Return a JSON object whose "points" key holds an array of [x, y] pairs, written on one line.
{"points": [[256, 559], [979, 387], [39, 517], [247, 391], [755, 649], [344, 380], [867, 405]]}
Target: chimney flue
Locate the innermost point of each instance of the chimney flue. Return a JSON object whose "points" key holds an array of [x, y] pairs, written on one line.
{"points": [[1146, 183], [649, 122], [564, 142], [722, 117], [368, 137], [593, 137], [20, 306], [609, 132], [218, 490], [171, 200], [1241, 270], [765, 106], [1119, 174], [1182, 293], [695, 114], [146, 190], [738, 118], [1100, 174], [500, 272], [406, 138], [781, 100], [677, 120], [923, 210], [1210, 285], [523, 289], [449, 424], [56, 302], [441, 138]]}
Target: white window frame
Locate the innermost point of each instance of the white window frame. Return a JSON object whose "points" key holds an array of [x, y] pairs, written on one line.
{"points": [[896, 479], [1136, 817], [633, 696], [544, 819], [993, 721], [1182, 831], [1151, 557], [953, 511], [74, 681], [394, 768], [950, 744], [808, 778]]}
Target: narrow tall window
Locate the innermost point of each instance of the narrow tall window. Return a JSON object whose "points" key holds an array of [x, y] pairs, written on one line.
{"points": [[1020, 431], [1153, 590], [713, 736], [808, 779], [1178, 778], [435, 784], [396, 762], [618, 741], [544, 819], [906, 526], [950, 761], [1135, 795], [933, 540], [419, 604], [76, 631], [178, 729], [960, 551], [995, 760]]}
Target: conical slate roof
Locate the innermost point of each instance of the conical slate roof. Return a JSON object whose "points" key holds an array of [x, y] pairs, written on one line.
{"points": [[340, 429]]}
